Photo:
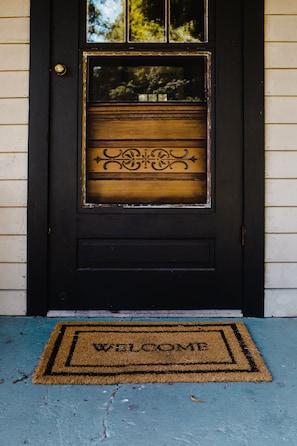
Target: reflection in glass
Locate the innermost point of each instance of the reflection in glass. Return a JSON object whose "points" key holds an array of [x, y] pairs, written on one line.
{"points": [[152, 81], [186, 21], [146, 21], [106, 21]]}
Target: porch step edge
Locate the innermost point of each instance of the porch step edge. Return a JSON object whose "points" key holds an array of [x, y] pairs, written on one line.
{"points": [[144, 313]]}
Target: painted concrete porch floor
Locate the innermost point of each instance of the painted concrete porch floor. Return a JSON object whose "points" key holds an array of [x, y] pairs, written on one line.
{"points": [[233, 414]]}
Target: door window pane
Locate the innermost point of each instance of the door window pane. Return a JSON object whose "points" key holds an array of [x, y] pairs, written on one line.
{"points": [[105, 21], [187, 21], [176, 79], [146, 21], [146, 129]]}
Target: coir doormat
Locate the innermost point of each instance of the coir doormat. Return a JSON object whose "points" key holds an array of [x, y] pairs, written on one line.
{"points": [[137, 352]]}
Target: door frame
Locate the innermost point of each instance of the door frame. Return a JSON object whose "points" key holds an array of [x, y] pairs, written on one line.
{"points": [[253, 157]]}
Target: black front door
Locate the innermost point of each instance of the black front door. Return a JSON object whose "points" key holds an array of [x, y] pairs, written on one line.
{"points": [[146, 157]]}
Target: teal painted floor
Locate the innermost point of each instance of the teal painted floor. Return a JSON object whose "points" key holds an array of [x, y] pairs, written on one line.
{"points": [[233, 414]]}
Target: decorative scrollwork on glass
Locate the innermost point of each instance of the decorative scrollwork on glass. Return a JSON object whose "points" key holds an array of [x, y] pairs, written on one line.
{"points": [[134, 159]]}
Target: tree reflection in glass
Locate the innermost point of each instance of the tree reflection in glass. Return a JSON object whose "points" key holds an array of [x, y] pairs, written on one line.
{"points": [[186, 21], [146, 21], [106, 21], [174, 80]]}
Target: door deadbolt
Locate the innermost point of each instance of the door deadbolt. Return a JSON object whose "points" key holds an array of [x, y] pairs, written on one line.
{"points": [[60, 69]]}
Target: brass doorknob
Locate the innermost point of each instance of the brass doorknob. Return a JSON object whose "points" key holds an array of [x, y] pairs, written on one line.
{"points": [[60, 69]]}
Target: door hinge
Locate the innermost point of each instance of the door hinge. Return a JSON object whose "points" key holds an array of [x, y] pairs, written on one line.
{"points": [[243, 234]]}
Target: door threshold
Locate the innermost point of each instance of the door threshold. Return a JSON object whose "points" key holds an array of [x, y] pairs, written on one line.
{"points": [[145, 313]]}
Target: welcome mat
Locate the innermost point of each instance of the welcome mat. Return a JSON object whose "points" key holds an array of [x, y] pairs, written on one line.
{"points": [[138, 352]]}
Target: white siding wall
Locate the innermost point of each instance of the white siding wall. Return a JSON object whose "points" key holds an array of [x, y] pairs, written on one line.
{"points": [[280, 144], [281, 157], [14, 85]]}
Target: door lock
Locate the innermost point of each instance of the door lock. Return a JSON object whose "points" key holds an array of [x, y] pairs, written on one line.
{"points": [[60, 69]]}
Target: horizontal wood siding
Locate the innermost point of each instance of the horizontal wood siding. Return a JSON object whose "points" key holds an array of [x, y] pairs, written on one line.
{"points": [[14, 86], [281, 158]]}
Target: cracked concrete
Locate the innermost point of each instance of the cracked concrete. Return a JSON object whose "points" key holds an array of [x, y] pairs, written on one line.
{"points": [[216, 414]]}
